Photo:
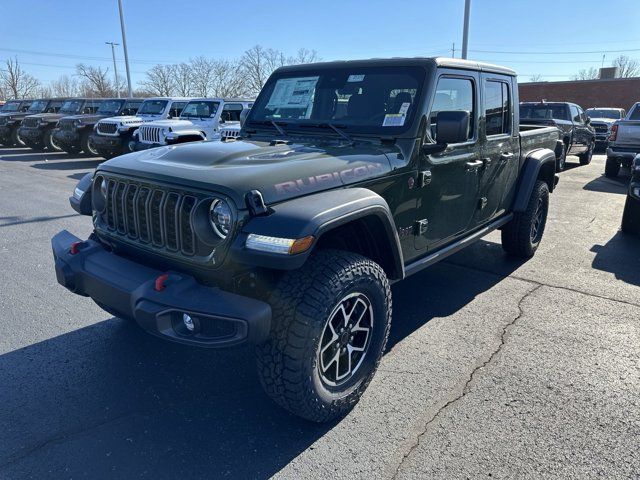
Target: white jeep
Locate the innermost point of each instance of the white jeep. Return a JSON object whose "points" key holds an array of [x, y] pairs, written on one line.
{"points": [[201, 119], [115, 135]]}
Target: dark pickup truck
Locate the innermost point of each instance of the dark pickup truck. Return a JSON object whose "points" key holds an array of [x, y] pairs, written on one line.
{"points": [[37, 130], [11, 124], [578, 136], [349, 176], [10, 117], [75, 133]]}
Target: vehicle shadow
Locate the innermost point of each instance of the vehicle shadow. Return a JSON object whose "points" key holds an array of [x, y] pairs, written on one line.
{"points": [[620, 257], [109, 399], [609, 185], [75, 164]]}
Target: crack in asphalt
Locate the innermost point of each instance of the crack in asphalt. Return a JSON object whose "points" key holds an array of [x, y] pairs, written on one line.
{"points": [[467, 385]]}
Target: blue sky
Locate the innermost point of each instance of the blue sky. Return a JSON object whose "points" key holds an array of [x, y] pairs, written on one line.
{"points": [[531, 36]]}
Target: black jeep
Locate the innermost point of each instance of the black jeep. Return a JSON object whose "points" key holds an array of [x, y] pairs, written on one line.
{"points": [[74, 133], [631, 214], [349, 176], [11, 116]]}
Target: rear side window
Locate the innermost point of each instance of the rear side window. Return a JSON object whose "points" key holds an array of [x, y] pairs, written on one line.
{"points": [[496, 107], [91, 106], [635, 113], [176, 108], [231, 112], [453, 94]]}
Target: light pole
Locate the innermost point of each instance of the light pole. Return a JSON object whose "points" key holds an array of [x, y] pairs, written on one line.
{"points": [[465, 31], [115, 68], [124, 46]]}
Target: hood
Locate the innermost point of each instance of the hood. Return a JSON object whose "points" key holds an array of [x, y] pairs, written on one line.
{"points": [[123, 119], [88, 118], [15, 115], [171, 123], [280, 172], [608, 121], [49, 117]]}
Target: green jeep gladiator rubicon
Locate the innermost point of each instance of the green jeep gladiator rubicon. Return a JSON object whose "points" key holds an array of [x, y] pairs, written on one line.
{"points": [[348, 176]]}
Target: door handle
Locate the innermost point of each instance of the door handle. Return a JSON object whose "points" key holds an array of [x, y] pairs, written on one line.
{"points": [[475, 164], [506, 156], [486, 162]]}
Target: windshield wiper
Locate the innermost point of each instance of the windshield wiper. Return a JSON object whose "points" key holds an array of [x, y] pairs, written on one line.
{"points": [[333, 127], [278, 128]]}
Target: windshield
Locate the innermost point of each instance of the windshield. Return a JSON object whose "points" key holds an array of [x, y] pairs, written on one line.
{"points": [[200, 109], [71, 106], [376, 100], [604, 113], [11, 107], [544, 112], [37, 106], [110, 107], [152, 107]]}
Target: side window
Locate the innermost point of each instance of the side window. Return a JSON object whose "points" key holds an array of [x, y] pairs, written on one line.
{"points": [[575, 114], [90, 107], [176, 108], [497, 108], [231, 112], [453, 94]]}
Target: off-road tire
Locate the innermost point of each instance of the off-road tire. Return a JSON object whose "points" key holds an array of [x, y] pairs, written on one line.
{"points": [[631, 216], [49, 142], [611, 168], [302, 303], [585, 158], [518, 237], [86, 145], [16, 141]]}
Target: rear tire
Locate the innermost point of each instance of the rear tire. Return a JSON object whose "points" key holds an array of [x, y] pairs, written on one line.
{"points": [[50, 143], [631, 216], [319, 360], [611, 168], [522, 235], [585, 158]]}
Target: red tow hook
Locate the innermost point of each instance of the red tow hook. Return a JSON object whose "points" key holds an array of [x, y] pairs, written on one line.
{"points": [[159, 285], [75, 247]]}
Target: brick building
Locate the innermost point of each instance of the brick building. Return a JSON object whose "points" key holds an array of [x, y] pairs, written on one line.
{"points": [[614, 92]]}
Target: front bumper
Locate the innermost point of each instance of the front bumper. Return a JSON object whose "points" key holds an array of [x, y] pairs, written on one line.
{"points": [[146, 146], [128, 289], [33, 136], [66, 138], [114, 145]]}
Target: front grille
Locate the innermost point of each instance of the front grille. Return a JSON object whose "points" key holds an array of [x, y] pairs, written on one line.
{"points": [[66, 124], [30, 122], [150, 215], [107, 128], [149, 134], [600, 128], [229, 133]]}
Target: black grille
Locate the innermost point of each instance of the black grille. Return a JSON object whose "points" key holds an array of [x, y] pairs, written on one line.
{"points": [[66, 124], [107, 128], [150, 215], [30, 122], [600, 128]]}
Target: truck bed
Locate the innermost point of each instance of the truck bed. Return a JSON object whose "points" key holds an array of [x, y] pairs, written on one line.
{"points": [[533, 137]]}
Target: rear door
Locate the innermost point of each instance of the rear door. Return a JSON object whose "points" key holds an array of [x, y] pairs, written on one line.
{"points": [[447, 203], [499, 143], [580, 130]]}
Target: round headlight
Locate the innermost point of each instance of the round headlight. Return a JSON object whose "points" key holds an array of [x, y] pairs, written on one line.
{"points": [[220, 217]]}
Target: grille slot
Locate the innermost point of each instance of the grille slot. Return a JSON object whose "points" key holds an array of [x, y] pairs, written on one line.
{"points": [[107, 128], [66, 124], [149, 134], [30, 122], [150, 215]]}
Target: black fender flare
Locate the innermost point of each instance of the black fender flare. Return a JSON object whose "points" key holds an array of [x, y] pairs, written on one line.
{"points": [[80, 201], [317, 215], [539, 165]]}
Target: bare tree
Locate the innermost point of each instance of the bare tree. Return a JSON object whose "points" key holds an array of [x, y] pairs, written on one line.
{"points": [[16, 83], [587, 74], [182, 79], [203, 73], [65, 86], [304, 55], [256, 68], [228, 80], [535, 78], [96, 80], [627, 67], [160, 80]]}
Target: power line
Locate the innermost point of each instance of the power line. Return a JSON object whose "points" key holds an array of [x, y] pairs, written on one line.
{"points": [[557, 53]]}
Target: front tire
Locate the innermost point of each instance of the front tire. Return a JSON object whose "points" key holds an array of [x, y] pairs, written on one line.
{"points": [[585, 158], [87, 146], [522, 235], [331, 321], [16, 141], [50, 142], [631, 216], [611, 168]]}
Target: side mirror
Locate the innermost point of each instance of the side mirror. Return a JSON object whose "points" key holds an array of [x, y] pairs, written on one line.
{"points": [[588, 122], [81, 199], [452, 127]]}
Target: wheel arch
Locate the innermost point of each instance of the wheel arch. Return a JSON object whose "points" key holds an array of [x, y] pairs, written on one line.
{"points": [[538, 165]]}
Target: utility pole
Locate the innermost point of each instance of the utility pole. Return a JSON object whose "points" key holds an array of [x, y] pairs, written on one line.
{"points": [[603, 57], [115, 68], [453, 50], [124, 46], [465, 31]]}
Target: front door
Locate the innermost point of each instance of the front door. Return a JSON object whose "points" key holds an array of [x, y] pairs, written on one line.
{"points": [[499, 148], [447, 201]]}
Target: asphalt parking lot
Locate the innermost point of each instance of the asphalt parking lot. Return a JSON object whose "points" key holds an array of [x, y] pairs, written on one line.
{"points": [[496, 367]]}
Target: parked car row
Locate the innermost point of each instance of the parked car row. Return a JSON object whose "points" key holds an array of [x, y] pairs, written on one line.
{"points": [[111, 127]]}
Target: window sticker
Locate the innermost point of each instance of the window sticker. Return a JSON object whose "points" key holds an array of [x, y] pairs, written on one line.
{"points": [[396, 119], [355, 78], [293, 93]]}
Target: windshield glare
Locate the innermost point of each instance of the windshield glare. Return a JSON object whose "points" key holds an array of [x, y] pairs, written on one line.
{"points": [[37, 106], [200, 109], [11, 107], [543, 112], [376, 100], [152, 107], [604, 113], [71, 106], [110, 107]]}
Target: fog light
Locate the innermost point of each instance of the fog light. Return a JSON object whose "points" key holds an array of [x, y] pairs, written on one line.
{"points": [[188, 322]]}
